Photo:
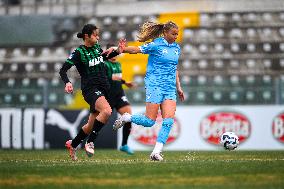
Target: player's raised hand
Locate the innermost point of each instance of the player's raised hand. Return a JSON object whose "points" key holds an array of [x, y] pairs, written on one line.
{"points": [[108, 51], [121, 45]]}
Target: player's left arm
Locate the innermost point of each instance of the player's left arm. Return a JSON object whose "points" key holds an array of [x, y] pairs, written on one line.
{"points": [[114, 51], [178, 86]]}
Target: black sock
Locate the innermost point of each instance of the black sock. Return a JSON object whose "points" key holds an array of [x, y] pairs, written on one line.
{"points": [[126, 131], [96, 129], [79, 138]]}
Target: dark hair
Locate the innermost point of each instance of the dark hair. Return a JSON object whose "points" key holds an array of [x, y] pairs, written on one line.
{"points": [[87, 29]]}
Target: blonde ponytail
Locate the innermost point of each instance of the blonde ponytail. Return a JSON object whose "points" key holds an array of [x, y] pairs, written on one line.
{"points": [[153, 30], [150, 31]]}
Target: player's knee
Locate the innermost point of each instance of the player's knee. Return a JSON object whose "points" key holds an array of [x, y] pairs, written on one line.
{"points": [[106, 112]]}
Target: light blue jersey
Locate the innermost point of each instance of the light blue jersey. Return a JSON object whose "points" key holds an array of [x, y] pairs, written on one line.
{"points": [[162, 64], [160, 79]]}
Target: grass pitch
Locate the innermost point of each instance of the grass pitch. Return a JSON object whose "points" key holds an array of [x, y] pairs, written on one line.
{"points": [[114, 169]]}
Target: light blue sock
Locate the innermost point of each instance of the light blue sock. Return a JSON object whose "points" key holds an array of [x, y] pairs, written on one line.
{"points": [[140, 119], [165, 130]]}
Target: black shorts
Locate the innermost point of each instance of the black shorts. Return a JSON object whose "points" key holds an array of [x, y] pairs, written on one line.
{"points": [[91, 95], [118, 100]]}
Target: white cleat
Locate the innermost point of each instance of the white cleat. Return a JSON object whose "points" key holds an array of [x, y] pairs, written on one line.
{"points": [[72, 151], [90, 149], [126, 117], [156, 157]]}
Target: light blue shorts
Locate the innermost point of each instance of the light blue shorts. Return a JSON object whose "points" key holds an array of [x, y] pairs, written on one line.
{"points": [[155, 95]]}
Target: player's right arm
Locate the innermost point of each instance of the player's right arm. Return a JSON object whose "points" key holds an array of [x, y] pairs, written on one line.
{"points": [[147, 48], [132, 50], [64, 77], [65, 67]]}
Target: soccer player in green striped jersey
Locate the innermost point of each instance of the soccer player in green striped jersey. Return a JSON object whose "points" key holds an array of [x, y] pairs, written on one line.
{"points": [[118, 99], [89, 60]]}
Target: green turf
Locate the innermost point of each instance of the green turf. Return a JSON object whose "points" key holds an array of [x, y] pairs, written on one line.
{"points": [[113, 169]]}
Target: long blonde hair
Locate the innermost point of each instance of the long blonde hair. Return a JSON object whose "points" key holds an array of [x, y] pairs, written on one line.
{"points": [[153, 30]]}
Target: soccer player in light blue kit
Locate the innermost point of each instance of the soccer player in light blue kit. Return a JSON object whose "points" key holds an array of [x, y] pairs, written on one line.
{"points": [[161, 80]]}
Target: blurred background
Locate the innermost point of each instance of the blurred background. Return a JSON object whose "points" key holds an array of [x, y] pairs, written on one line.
{"points": [[232, 60]]}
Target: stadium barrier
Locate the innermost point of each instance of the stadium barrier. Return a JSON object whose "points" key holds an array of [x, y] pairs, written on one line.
{"points": [[33, 128], [200, 127], [195, 128]]}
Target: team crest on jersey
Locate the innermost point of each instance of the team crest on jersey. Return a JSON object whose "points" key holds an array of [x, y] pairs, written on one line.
{"points": [[176, 52], [165, 51]]}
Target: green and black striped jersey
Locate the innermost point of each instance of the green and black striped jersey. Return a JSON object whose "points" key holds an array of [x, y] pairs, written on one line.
{"points": [[89, 62], [114, 70]]}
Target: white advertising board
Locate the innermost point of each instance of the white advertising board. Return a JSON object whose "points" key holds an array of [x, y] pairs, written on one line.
{"points": [[199, 128]]}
